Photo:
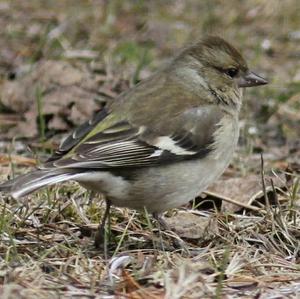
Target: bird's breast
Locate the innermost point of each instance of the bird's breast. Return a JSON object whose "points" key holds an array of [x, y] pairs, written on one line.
{"points": [[225, 138]]}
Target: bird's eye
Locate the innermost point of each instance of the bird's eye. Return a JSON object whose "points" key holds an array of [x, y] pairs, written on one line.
{"points": [[232, 72]]}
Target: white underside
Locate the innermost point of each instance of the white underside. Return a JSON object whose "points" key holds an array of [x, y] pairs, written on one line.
{"points": [[103, 181]]}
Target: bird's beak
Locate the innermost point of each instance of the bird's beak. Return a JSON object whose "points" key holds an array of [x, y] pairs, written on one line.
{"points": [[251, 79]]}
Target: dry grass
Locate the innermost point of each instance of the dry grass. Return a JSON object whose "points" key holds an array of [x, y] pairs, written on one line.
{"points": [[46, 249]]}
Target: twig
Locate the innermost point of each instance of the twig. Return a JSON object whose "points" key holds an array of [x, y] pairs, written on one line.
{"points": [[262, 170], [240, 204]]}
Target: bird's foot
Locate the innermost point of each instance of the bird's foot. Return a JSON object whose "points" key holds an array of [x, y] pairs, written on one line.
{"points": [[178, 243]]}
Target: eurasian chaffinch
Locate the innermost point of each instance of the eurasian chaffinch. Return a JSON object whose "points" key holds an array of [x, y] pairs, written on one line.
{"points": [[163, 141]]}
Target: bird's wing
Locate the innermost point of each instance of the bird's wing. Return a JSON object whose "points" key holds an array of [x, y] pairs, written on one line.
{"points": [[120, 144], [77, 135]]}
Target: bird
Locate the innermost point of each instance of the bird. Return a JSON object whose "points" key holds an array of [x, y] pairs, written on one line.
{"points": [[161, 142]]}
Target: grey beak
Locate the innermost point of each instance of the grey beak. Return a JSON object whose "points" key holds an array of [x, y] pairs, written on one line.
{"points": [[251, 79]]}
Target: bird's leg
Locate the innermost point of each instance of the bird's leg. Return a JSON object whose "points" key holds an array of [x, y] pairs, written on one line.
{"points": [[163, 224], [91, 197], [178, 243], [100, 234]]}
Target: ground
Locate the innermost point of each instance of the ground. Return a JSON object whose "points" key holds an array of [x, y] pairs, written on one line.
{"points": [[60, 61]]}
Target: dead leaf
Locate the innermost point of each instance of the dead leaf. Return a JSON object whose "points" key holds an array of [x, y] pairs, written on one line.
{"points": [[287, 118], [190, 226], [69, 96], [19, 160], [243, 189], [130, 283]]}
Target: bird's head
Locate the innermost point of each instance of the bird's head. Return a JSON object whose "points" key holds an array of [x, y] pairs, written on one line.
{"points": [[219, 67]]}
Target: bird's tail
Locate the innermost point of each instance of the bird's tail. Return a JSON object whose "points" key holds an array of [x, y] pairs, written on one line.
{"points": [[32, 181]]}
